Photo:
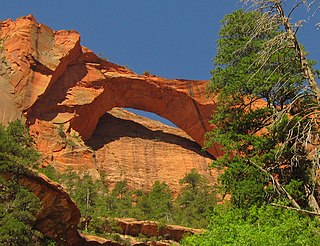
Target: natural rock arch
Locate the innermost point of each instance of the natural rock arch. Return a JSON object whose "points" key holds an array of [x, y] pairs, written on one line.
{"points": [[49, 78], [180, 101], [55, 79]]}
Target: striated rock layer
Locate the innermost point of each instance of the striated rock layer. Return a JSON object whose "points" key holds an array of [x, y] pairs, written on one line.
{"points": [[53, 78], [143, 151], [65, 92], [66, 95]]}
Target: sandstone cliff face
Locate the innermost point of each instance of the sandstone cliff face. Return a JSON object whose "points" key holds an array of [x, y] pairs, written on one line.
{"points": [[68, 95], [126, 147], [55, 79], [143, 151], [65, 93]]}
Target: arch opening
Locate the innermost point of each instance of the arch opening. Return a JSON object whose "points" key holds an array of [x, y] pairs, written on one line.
{"points": [[119, 123], [151, 116], [141, 151]]}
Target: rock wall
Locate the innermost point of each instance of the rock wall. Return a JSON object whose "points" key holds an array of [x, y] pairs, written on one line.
{"points": [[142, 151], [153, 229], [65, 92], [55, 79], [126, 147], [59, 216]]}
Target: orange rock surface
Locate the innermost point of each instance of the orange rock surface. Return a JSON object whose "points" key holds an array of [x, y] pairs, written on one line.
{"points": [[55, 79], [59, 216], [64, 90], [126, 147], [67, 96], [149, 229], [143, 151]]}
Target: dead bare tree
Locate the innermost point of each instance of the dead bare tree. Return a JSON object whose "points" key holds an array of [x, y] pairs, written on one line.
{"points": [[304, 133]]}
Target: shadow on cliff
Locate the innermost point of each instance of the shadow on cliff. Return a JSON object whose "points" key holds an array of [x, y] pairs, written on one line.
{"points": [[111, 128], [47, 107]]}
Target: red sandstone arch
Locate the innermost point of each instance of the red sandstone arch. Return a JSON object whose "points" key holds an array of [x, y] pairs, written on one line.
{"points": [[180, 101], [49, 77], [56, 79]]}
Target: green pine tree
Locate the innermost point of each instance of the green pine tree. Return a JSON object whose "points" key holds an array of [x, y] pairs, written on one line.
{"points": [[196, 201], [157, 204], [252, 93], [18, 205]]}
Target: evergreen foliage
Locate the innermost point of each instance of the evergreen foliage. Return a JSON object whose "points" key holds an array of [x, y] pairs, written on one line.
{"points": [[196, 200], [250, 96], [98, 203], [158, 204], [16, 149], [18, 205], [263, 112]]}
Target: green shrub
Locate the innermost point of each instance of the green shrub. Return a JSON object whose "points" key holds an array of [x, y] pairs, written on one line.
{"points": [[266, 225]]}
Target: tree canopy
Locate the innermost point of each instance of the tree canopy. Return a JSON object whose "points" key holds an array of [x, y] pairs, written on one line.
{"points": [[18, 205], [267, 122], [263, 225], [253, 94]]}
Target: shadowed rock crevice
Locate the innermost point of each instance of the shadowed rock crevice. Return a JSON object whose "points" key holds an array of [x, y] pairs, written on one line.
{"points": [[48, 106]]}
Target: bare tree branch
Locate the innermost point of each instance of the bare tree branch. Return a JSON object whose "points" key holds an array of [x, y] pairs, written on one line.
{"points": [[303, 126], [296, 209], [277, 185]]}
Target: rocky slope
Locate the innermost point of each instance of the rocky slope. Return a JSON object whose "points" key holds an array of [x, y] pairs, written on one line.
{"points": [[59, 216], [153, 229], [65, 92]]}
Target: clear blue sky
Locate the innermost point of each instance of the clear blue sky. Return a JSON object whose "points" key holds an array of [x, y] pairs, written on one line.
{"points": [[169, 38]]}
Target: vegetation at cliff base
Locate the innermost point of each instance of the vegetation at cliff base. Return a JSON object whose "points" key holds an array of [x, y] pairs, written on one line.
{"points": [[18, 205], [192, 207]]}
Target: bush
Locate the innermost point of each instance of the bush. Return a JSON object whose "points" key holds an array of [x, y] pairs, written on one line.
{"points": [[266, 225]]}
